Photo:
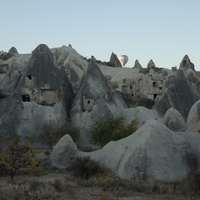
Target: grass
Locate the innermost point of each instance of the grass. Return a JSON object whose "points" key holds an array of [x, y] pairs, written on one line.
{"points": [[64, 185]]}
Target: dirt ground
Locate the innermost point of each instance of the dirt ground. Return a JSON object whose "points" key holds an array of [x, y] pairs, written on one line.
{"points": [[75, 191]]}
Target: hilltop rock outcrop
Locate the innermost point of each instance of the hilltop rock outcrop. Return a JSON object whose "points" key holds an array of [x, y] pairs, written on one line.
{"points": [[151, 64], [13, 50], [137, 65], [186, 64], [114, 61]]}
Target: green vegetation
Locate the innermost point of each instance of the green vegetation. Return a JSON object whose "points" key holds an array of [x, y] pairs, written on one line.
{"points": [[104, 131], [52, 133], [15, 156]]}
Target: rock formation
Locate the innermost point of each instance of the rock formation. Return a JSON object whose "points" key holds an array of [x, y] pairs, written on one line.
{"points": [[137, 65], [193, 119], [178, 94], [151, 64], [39, 96], [62, 86], [152, 153], [114, 61], [94, 101], [186, 64]]}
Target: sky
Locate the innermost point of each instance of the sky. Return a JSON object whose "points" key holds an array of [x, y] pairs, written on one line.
{"points": [[161, 30]]}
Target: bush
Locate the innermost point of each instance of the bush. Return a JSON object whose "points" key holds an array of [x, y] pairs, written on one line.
{"points": [[52, 133], [111, 130], [85, 167]]}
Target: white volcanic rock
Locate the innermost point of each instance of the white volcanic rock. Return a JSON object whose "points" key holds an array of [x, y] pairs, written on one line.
{"points": [[75, 66], [141, 114], [194, 140], [94, 101], [153, 152], [40, 94], [63, 152], [179, 94], [193, 120], [174, 120]]}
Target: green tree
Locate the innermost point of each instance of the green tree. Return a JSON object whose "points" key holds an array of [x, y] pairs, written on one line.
{"points": [[104, 131], [15, 155]]}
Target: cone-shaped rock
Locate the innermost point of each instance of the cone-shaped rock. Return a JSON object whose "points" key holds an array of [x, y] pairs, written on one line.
{"points": [[137, 65], [179, 94], [13, 50], [114, 61], [42, 94], [186, 64], [94, 101], [151, 64]]}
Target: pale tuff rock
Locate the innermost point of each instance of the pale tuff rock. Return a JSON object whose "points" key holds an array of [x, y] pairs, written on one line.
{"points": [[63, 152], [94, 101], [153, 152], [178, 94], [174, 121], [193, 120]]}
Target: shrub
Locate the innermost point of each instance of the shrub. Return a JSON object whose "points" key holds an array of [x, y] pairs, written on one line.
{"points": [[113, 129], [52, 133], [85, 167]]}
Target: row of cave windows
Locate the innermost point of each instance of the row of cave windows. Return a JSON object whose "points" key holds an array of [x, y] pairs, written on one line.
{"points": [[155, 84], [26, 98]]}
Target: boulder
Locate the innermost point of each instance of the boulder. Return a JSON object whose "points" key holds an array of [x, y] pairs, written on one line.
{"points": [[193, 120], [63, 152], [174, 121]]}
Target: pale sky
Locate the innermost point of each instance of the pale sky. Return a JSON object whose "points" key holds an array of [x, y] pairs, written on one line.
{"points": [[161, 30]]}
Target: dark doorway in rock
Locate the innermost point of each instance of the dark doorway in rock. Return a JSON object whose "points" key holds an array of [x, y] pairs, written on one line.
{"points": [[29, 77], [154, 96], [88, 102], [26, 98]]}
